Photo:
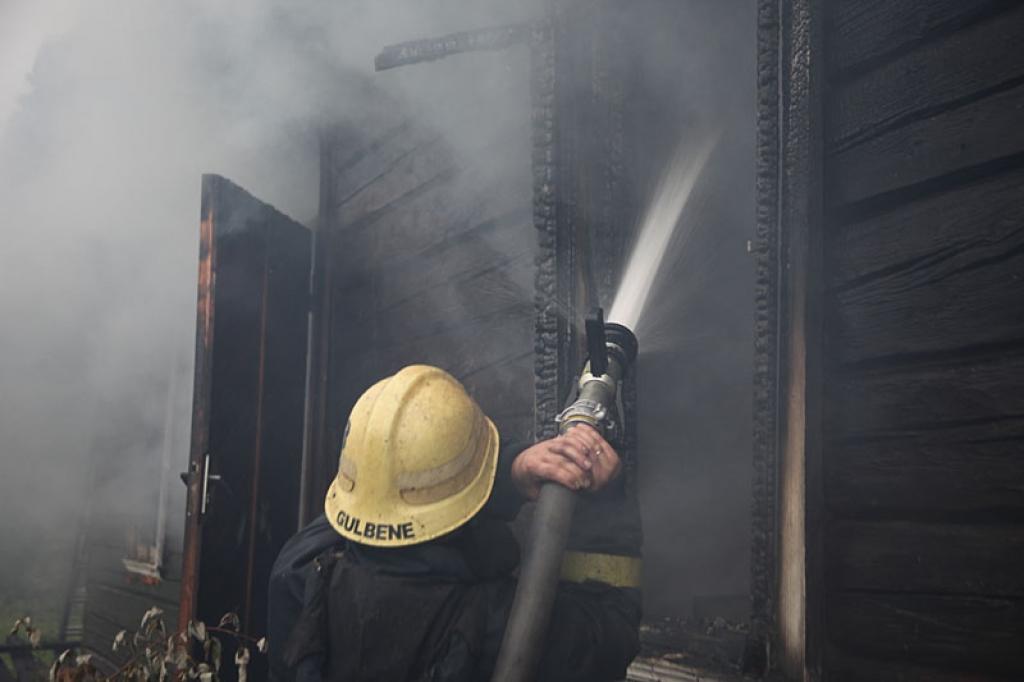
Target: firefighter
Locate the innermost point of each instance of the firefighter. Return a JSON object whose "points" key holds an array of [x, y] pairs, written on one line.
{"points": [[409, 575]]}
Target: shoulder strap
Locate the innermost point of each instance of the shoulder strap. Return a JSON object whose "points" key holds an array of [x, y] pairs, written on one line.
{"points": [[309, 636]]}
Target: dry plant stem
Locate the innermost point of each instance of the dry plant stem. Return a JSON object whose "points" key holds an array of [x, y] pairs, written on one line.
{"points": [[233, 633]]}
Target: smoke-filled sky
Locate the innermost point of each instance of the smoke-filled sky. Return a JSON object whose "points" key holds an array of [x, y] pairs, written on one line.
{"points": [[109, 113]]}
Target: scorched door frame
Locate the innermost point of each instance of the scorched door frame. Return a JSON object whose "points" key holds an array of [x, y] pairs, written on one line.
{"points": [[787, 542], [194, 477]]}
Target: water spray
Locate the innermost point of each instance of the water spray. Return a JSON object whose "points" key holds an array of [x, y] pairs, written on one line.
{"points": [[611, 350], [659, 224]]}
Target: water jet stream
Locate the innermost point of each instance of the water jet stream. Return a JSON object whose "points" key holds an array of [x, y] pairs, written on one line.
{"points": [[659, 224]]}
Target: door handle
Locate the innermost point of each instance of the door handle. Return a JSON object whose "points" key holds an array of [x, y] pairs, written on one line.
{"points": [[207, 478]]}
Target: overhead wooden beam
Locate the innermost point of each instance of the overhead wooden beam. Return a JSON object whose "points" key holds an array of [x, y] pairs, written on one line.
{"points": [[432, 49]]}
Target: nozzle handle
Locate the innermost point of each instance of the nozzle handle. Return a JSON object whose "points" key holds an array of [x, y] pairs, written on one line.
{"points": [[597, 349]]}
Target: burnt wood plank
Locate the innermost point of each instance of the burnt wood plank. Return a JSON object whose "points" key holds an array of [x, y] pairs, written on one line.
{"points": [[376, 158], [463, 204], [945, 227], [866, 31], [476, 290], [962, 299], [920, 398], [966, 633], [979, 132], [444, 213], [416, 224], [939, 74], [954, 474], [461, 260], [424, 232], [410, 175], [470, 180], [965, 559]]}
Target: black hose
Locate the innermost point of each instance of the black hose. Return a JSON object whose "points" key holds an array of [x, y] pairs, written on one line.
{"points": [[538, 581]]}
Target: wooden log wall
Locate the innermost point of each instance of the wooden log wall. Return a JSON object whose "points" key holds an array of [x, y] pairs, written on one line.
{"points": [[115, 599], [432, 250], [924, 340]]}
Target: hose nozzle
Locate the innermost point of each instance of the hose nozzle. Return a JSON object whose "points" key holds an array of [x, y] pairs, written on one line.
{"points": [[611, 350]]}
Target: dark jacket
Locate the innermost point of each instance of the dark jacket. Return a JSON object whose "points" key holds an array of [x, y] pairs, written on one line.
{"points": [[432, 612]]}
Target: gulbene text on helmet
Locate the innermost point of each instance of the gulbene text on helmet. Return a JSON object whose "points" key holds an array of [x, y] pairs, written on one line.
{"points": [[375, 531]]}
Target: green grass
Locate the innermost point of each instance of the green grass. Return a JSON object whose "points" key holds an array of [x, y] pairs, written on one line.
{"points": [[33, 582]]}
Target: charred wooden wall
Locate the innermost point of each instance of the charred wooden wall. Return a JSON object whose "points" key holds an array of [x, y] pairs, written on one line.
{"points": [[924, 339], [115, 599], [429, 254]]}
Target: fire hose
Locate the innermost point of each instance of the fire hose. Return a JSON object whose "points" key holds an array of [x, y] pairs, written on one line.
{"points": [[611, 350]]}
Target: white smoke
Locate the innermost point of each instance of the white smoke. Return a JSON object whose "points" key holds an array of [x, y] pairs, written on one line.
{"points": [[109, 113], [659, 224]]}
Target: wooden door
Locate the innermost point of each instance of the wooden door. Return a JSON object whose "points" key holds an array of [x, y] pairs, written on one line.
{"points": [[249, 393]]}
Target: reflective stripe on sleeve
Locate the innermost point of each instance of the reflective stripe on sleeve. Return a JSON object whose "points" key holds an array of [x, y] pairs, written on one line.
{"points": [[611, 569]]}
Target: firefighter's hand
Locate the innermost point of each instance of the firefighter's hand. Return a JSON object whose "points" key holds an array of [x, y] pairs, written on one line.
{"points": [[579, 459]]}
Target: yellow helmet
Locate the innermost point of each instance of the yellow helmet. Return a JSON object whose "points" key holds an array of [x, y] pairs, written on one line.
{"points": [[417, 461]]}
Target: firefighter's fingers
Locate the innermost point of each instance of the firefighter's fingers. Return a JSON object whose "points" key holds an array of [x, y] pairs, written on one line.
{"points": [[524, 470], [538, 464], [583, 440], [586, 434], [601, 444], [595, 441], [607, 466], [587, 438], [573, 451], [563, 471]]}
